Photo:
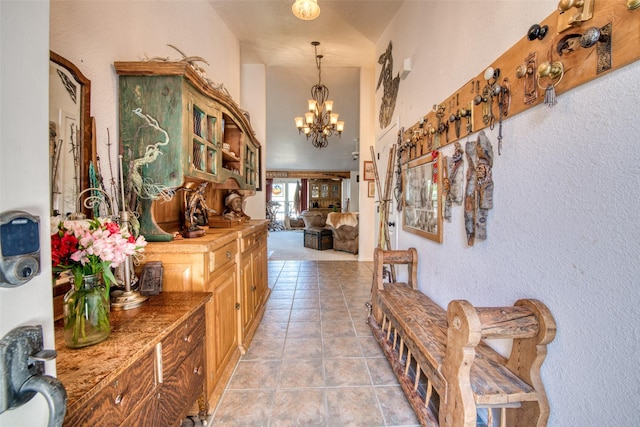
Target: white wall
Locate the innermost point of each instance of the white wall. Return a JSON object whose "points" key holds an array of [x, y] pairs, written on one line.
{"points": [[253, 99], [564, 224], [95, 34], [366, 206]]}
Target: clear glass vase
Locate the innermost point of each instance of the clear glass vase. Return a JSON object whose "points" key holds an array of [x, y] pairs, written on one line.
{"points": [[86, 313]]}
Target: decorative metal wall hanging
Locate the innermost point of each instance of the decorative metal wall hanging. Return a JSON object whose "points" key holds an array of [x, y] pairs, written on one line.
{"points": [[390, 85], [478, 198]]}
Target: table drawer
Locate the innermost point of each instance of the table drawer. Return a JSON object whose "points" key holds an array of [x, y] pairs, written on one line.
{"points": [[182, 341], [111, 405], [219, 258], [248, 241], [182, 388]]}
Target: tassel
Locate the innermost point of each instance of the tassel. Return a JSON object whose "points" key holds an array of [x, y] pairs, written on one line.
{"points": [[550, 96]]}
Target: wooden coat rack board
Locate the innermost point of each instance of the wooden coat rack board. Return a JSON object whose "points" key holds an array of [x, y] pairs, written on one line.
{"points": [[617, 46]]}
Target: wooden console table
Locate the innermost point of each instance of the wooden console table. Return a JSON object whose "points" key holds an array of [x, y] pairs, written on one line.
{"points": [[149, 371]]}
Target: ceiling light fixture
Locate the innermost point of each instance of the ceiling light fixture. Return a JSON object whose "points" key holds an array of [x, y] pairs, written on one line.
{"points": [[306, 9], [320, 122]]}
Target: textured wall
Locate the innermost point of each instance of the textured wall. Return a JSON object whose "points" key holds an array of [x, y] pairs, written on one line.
{"points": [[564, 224]]}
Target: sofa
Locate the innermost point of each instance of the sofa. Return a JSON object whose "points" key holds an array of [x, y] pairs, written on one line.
{"points": [[344, 227]]}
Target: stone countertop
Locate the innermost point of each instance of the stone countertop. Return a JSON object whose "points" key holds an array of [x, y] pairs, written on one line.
{"points": [[85, 371], [213, 239]]}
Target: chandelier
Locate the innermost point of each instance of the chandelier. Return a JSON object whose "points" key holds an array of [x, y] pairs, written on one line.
{"points": [[306, 9], [320, 122]]}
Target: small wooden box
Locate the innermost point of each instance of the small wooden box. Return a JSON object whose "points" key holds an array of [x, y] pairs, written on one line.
{"points": [[218, 221], [318, 238]]}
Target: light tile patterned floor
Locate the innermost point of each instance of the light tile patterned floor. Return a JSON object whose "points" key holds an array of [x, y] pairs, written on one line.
{"points": [[313, 361]]}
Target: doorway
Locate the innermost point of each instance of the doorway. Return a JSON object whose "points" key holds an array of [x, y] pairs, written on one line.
{"points": [[287, 194]]}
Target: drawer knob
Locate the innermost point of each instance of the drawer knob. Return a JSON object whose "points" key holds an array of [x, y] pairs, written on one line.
{"points": [[187, 338], [197, 370], [119, 399], [228, 255], [237, 306]]}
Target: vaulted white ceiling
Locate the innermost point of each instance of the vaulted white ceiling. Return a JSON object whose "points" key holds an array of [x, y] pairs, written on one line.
{"points": [[270, 34]]}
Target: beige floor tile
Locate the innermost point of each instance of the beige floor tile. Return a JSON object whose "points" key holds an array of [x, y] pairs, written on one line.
{"points": [[258, 374], [340, 346], [370, 347], [346, 372], [381, 372], [277, 315], [282, 294], [278, 304], [299, 408], [271, 329], [305, 315], [301, 373], [244, 408], [307, 294], [304, 330], [360, 324], [303, 348], [395, 407], [333, 327], [312, 302], [353, 406], [269, 348]]}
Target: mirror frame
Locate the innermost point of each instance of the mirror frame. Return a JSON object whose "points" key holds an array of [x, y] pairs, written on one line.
{"points": [[87, 152]]}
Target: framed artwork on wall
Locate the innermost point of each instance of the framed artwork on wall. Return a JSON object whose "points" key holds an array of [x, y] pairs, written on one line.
{"points": [[371, 189], [421, 213], [369, 174]]}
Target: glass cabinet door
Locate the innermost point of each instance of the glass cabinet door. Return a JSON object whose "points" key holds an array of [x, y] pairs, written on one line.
{"points": [[325, 191]]}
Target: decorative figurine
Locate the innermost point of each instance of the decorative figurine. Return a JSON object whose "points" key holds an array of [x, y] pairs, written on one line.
{"points": [[234, 202], [196, 211], [479, 191]]}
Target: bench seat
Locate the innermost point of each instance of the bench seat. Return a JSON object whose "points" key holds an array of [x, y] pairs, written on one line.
{"points": [[424, 323], [442, 362]]}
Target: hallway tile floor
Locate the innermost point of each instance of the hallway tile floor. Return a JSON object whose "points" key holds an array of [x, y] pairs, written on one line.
{"points": [[313, 360]]}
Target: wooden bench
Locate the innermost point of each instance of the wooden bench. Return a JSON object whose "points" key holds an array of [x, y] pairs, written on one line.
{"points": [[444, 367]]}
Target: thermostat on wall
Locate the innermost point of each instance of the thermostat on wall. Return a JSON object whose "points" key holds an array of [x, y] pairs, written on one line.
{"points": [[19, 248]]}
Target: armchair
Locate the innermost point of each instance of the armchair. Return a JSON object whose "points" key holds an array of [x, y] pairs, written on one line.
{"points": [[344, 227]]}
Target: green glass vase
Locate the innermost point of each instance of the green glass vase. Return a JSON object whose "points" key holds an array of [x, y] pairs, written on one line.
{"points": [[86, 313]]}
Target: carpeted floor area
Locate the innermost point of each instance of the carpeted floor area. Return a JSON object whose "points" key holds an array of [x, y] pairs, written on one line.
{"points": [[289, 245]]}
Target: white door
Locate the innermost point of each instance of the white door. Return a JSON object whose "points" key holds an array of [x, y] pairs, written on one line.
{"points": [[24, 176]]}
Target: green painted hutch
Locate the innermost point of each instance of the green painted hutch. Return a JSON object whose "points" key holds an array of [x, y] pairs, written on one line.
{"points": [[209, 137]]}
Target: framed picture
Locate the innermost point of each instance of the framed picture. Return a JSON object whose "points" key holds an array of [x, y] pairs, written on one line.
{"points": [[369, 174], [421, 213], [151, 278], [371, 190]]}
